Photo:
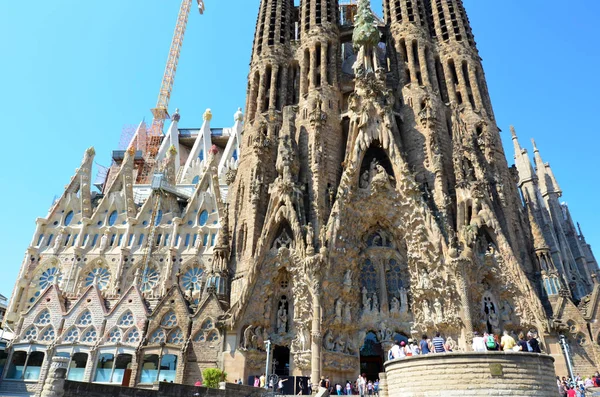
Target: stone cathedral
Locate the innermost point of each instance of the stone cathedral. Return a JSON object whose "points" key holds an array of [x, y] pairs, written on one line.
{"points": [[364, 197]]}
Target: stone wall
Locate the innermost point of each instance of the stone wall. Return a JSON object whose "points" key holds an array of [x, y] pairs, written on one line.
{"points": [[77, 389], [472, 374]]}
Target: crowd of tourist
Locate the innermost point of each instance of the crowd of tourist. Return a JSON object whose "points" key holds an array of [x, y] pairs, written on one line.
{"points": [[481, 343], [577, 387]]}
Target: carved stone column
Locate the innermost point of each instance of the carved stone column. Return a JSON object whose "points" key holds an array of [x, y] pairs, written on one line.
{"points": [[316, 340], [55, 382], [460, 266]]}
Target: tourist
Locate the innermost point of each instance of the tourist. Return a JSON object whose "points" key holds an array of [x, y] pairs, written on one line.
{"points": [[533, 343], [338, 389], [490, 342], [414, 348], [370, 388], [522, 343], [507, 342], [198, 383], [402, 350], [348, 388], [394, 351], [439, 346], [425, 345], [361, 382], [328, 385], [478, 343], [323, 383], [376, 387], [240, 382], [262, 380], [571, 392], [300, 387], [280, 385], [256, 381]]}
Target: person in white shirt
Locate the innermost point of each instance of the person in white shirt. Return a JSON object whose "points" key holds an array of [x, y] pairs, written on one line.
{"points": [[396, 350], [478, 343]]}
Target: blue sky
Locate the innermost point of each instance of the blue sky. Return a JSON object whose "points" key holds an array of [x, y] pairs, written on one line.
{"points": [[75, 72]]}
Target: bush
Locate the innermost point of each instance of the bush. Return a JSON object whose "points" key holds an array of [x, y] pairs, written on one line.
{"points": [[212, 376]]}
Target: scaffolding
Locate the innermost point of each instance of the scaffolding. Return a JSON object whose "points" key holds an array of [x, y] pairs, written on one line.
{"points": [[348, 10]]}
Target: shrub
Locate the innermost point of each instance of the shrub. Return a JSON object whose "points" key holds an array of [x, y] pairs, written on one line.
{"points": [[212, 376]]}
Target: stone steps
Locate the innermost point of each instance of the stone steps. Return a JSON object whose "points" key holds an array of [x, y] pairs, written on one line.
{"points": [[14, 389]]}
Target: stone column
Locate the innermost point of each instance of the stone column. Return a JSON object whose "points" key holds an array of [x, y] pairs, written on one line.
{"points": [[55, 382], [450, 82], [313, 68], [316, 340], [262, 88], [460, 267], [383, 299], [273, 89], [424, 67], [412, 62], [476, 89], [324, 64]]}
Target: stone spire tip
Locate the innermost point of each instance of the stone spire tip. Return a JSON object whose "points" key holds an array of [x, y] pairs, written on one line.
{"points": [[176, 116]]}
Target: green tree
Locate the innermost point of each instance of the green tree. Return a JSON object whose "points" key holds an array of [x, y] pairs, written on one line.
{"points": [[212, 377]]}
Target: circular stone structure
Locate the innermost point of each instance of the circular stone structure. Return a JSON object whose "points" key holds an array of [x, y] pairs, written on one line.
{"points": [[472, 374]]}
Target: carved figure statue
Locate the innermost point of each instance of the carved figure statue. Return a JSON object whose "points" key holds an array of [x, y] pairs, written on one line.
{"points": [[338, 310], [439, 314], [283, 241], [340, 343], [375, 303], [368, 307], [426, 311], [395, 306], [104, 242], [258, 339], [365, 299], [348, 278], [505, 313], [348, 313], [425, 282], [59, 240], [310, 237], [328, 342], [364, 180], [282, 317], [248, 335]]}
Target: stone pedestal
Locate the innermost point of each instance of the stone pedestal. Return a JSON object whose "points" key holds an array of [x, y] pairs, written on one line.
{"points": [[472, 374]]}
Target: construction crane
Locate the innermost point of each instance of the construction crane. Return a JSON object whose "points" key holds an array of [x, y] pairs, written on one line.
{"points": [[160, 113]]}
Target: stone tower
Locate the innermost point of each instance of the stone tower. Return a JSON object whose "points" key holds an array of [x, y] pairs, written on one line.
{"points": [[374, 201]]}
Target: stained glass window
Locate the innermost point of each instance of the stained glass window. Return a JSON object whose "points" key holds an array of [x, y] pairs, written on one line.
{"points": [[114, 336], [208, 324], [169, 320], [48, 335], [85, 318], [394, 279], [72, 335], [149, 280], [68, 218], [200, 337], [213, 336], [126, 319], [90, 336], [158, 336], [31, 333], [176, 337], [43, 318], [99, 276], [192, 277], [369, 276], [203, 218], [133, 336], [112, 218], [48, 277]]}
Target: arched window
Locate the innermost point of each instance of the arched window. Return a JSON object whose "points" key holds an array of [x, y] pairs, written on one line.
{"points": [[169, 320], [200, 337], [203, 218], [112, 218], [72, 335], [126, 319], [68, 218], [394, 279], [90, 336], [213, 336], [133, 336], [114, 336], [43, 318], [158, 336], [369, 276], [196, 180], [208, 324], [85, 319], [48, 335], [159, 216], [31, 333], [176, 337], [149, 280]]}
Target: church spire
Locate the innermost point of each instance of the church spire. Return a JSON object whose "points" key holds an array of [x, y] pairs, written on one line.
{"points": [[548, 183], [522, 161]]}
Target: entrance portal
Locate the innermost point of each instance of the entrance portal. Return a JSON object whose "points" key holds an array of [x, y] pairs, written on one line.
{"points": [[281, 360], [371, 357]]}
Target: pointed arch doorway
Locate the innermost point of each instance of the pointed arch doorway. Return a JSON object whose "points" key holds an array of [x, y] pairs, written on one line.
{"points": [[371, 356]]}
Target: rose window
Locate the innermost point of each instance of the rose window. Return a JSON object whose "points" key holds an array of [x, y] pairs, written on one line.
{"points": [[149, 280], [49, 277], [98, 276], [192, 277]]}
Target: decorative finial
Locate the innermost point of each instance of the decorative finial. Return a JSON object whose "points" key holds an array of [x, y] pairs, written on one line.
{"points": [[172, 150], [136, 278], [90, 151], [176, 116], [513, 132], [131, 150], [213, 150], [535, 149], [238, 116], [207, 115]]}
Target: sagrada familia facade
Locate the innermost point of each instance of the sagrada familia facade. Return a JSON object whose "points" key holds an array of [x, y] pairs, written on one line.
{"points": [[364, 197]]}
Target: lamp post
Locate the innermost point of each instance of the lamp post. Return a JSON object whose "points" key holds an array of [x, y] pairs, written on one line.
{"points": [[268, 344], [565, 348]]}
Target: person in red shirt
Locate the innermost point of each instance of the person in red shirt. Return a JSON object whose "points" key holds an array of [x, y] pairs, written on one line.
{"points": [[571, 392]]}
